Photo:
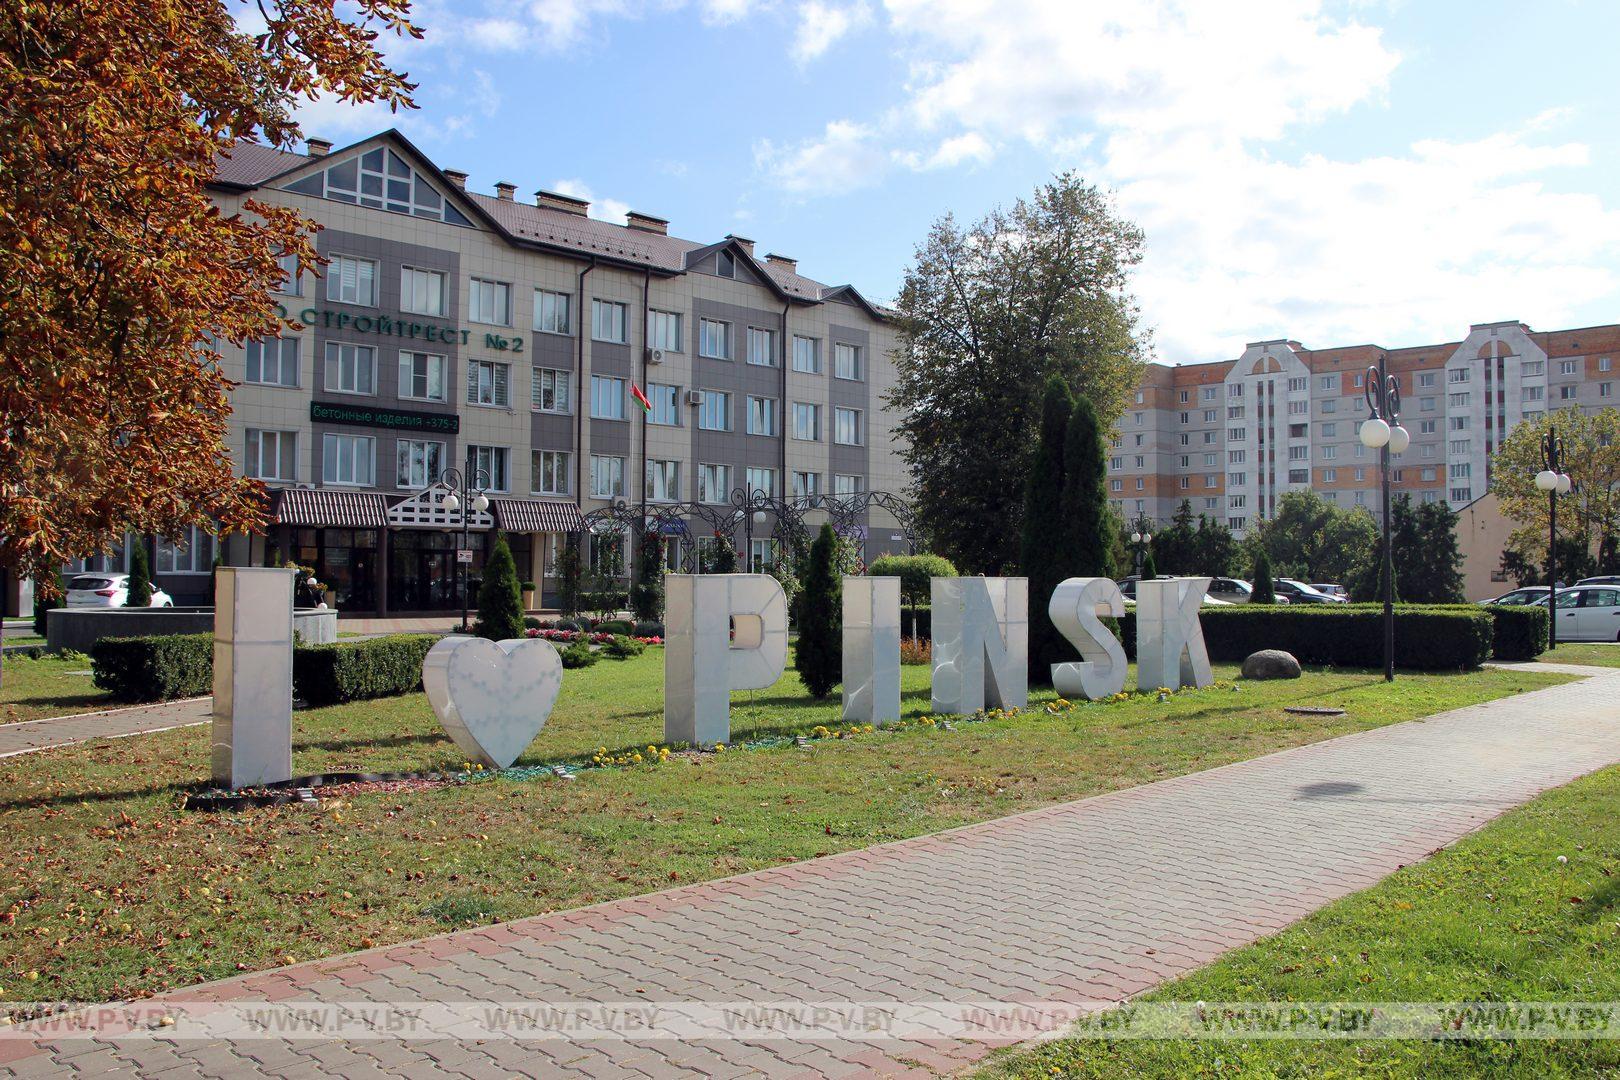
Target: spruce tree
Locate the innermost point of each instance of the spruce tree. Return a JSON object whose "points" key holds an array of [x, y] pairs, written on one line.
{"points": [[500, 596], [570, 576], [1043, 554], [647, 594], [1150, 569], [819, 656], [140, 576], [725, 555], [1265, 590], [1088, 537]]}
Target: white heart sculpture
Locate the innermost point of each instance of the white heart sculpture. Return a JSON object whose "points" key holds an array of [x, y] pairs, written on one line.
{"points": [[492, 697]]}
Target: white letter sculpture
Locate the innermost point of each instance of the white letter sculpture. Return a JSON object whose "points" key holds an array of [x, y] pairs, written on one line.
{"points": [[1169, 639], [981, 643], [872, 649], [1075, 608], [492, 697], [253, 647], [702, 664]]}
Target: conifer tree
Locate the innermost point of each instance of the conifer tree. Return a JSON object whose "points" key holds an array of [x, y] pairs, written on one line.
{"points": [[647, 594], [1265, 590], [820, 653], [1088, 523], [140, 576], [500, 596], [1042, 555]]}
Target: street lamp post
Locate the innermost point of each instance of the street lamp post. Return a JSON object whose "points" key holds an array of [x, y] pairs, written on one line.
{"points": [[1555, 482], [1382, 431], [466, 490], [752, 504], [1141, 540]]}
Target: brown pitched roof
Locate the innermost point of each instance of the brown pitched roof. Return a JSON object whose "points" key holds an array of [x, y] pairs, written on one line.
{"points": [[251, 164]]}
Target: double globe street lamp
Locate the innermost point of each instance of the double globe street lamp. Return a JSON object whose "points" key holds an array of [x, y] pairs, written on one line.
{"points": [[466, 491], [1383, 432], [1141, 540], [1555, 482]]}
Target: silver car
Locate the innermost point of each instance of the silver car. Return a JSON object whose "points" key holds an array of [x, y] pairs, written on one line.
{"points": [[108, 590]]}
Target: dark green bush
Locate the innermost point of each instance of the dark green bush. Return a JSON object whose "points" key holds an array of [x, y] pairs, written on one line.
{"points": [[649, 628], [577, 655], [1521, 631], [532, 623], [359, 670], [622, 648], [615, 626], [155, 668], [1427, 638]]}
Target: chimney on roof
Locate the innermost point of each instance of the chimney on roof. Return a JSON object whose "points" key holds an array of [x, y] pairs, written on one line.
{"points": [[647, 223], [505, 191], [317, 147], [783, 260], [552, 200], [747, 244], [456, 177]]}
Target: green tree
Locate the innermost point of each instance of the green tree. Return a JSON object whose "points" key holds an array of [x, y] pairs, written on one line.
{"points": [[1312, 539], [987, 313], [1042, 550], [1088, 523], [1215, 550], [647, 594], [819, 655], [140, 575], [916, 574], [570, 573], [1150, 568], [1175, 545], [1366, 582], [1265, 590], [1591, 510], [1431, 565], [500, 596]]}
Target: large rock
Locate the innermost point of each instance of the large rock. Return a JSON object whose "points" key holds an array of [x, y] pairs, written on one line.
{"points": [[1271, 664]]}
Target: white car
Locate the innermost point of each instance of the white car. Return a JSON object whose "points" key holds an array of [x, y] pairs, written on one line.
{"points": [[1588, 613], [1328, 589], [108, 590]]}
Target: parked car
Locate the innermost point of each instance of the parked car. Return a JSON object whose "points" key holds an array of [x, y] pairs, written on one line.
{"points": [[1605, 579], [1127, 586], [1231, 590], [108, 590], [1587, 613], [1300, 593], [1330, 589], [1529, 595]]}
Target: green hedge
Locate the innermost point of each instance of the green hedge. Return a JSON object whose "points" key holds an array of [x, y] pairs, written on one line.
{"points": [[156, 668], [1521, 631], [359, 670], [1427, 637]]}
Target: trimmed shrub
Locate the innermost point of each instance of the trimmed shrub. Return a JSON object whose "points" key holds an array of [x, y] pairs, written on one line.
{"points": [[915, 573], [648, 628], [647, 593], [500, 598], [532, 623], [577, 655], [1520, 631], [1432, 638], [623, 648], [820, 651], [1265, 589], [140, 576], [41, 606], [155, 668], [615, 626], [360, 670]]}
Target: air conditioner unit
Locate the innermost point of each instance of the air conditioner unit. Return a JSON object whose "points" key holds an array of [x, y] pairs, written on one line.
{"points": [[655, 356], [694, 397]]}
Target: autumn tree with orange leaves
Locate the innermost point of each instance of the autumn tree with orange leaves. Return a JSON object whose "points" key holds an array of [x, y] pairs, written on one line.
{"points": [[117, 273]]}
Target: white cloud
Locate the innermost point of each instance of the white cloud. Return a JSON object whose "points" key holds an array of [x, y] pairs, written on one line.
{"points": [[498, 34], [611, 210], [821, 24], [846, 156]]}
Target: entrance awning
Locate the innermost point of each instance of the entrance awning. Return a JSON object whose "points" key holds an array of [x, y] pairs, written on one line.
{"points": [[325, 508], [537, 516]]}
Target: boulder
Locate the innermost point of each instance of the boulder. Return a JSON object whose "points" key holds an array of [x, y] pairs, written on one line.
{"points": [[1271, 664]]}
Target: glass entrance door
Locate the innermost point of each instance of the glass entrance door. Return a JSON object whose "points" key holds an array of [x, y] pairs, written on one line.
{"points": [[422, 571]]}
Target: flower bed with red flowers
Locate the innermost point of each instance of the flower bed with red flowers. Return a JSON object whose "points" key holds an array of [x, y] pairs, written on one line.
{"points": [[568, 637]]}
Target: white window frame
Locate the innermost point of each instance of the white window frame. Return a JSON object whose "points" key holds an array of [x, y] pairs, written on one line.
{"points": [[857, 420], [431, 462], [714, 402], [492, 461], [254, 457], [812, 411], [407, 375], [765, 354], [561, 464], [806, 484], [607, 476], [282, 360], [558, 383], [663, 473], [335, 350], [610, 321], [812, 365], [763, 416], [843, 351], [666, 404], [489, 301], [664, 330], [416, 291], [764, 473], [493, 392], [193, 556], [352, 275], [607, 393], [708, 329], [710, 476], [332, 443], [553, 312]]}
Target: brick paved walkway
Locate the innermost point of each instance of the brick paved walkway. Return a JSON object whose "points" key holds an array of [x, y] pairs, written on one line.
{"points": [[27, 736], [1086, 901]]}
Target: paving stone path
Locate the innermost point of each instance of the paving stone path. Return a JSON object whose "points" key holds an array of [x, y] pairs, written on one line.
{"points": [[1088, 901], [28, 736]]}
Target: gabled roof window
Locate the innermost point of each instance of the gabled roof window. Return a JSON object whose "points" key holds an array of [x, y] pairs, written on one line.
{"points": [[380, 179]]}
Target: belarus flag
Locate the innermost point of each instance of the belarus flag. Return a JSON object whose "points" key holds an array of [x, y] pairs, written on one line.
{"points": [[635, 392]]}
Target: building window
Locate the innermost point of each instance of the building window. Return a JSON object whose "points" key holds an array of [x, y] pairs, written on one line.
{"points": [[1209, 393], [1186, 418], [1182, 397], [489, 383], [1140, 397], [553, 390], [1212, 504], [1330, 383], [1210, 459], [714, 412], [806, 485], [1566, 393], [846, 484], [552, 312], [761, 347], [1236, 523], [1459, 446], [1298, 408], [487, 465], [1116, 463], [273, 361], [608, 320], [1298, 385], [553, 472], [292, 277], [271, 455], [1236, 434], [1330, 475], [846, 361], [1236, 479], [806, 421], [421, 376], [1234, 457], [1427, 474], [1299, 453], [1211, 416], [192, 555], [1140, 461], [663, 480], [351, 281], [381, 179], [1233, 412], [1236, 502], [725, 265], [1329, 453], [761, 555], [1462, 494], [1116, 485], [1533, 393], [607, 477], [1532, 367], [1457, 375], [489, 302], [1428, 450], [1457, 401], [1212, 480], [1331, 405], [420, 462], [349, 459], [421, 292], [847, 427], [1605, 389], [665, 404], [664, 330], [762, 416], [761, 481], [1186, 482], [1299, 431], [1426, 404], [607, 397], [1361, 474], [1461, 469], [1141, 483], [714, 339], [1566, 367], [807, 355], [714, 483], [1425, 378], [1426, 427], [351, 369], [1234, 390], [1457, 423]]}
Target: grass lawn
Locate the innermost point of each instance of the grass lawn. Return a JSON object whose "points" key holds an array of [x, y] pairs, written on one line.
{"points": [[32, 688], [1595, 654], [1494, 918], [114, 891]]}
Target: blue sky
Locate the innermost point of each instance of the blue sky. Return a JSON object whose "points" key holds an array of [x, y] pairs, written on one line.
{"points": [[1333, 173]]}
